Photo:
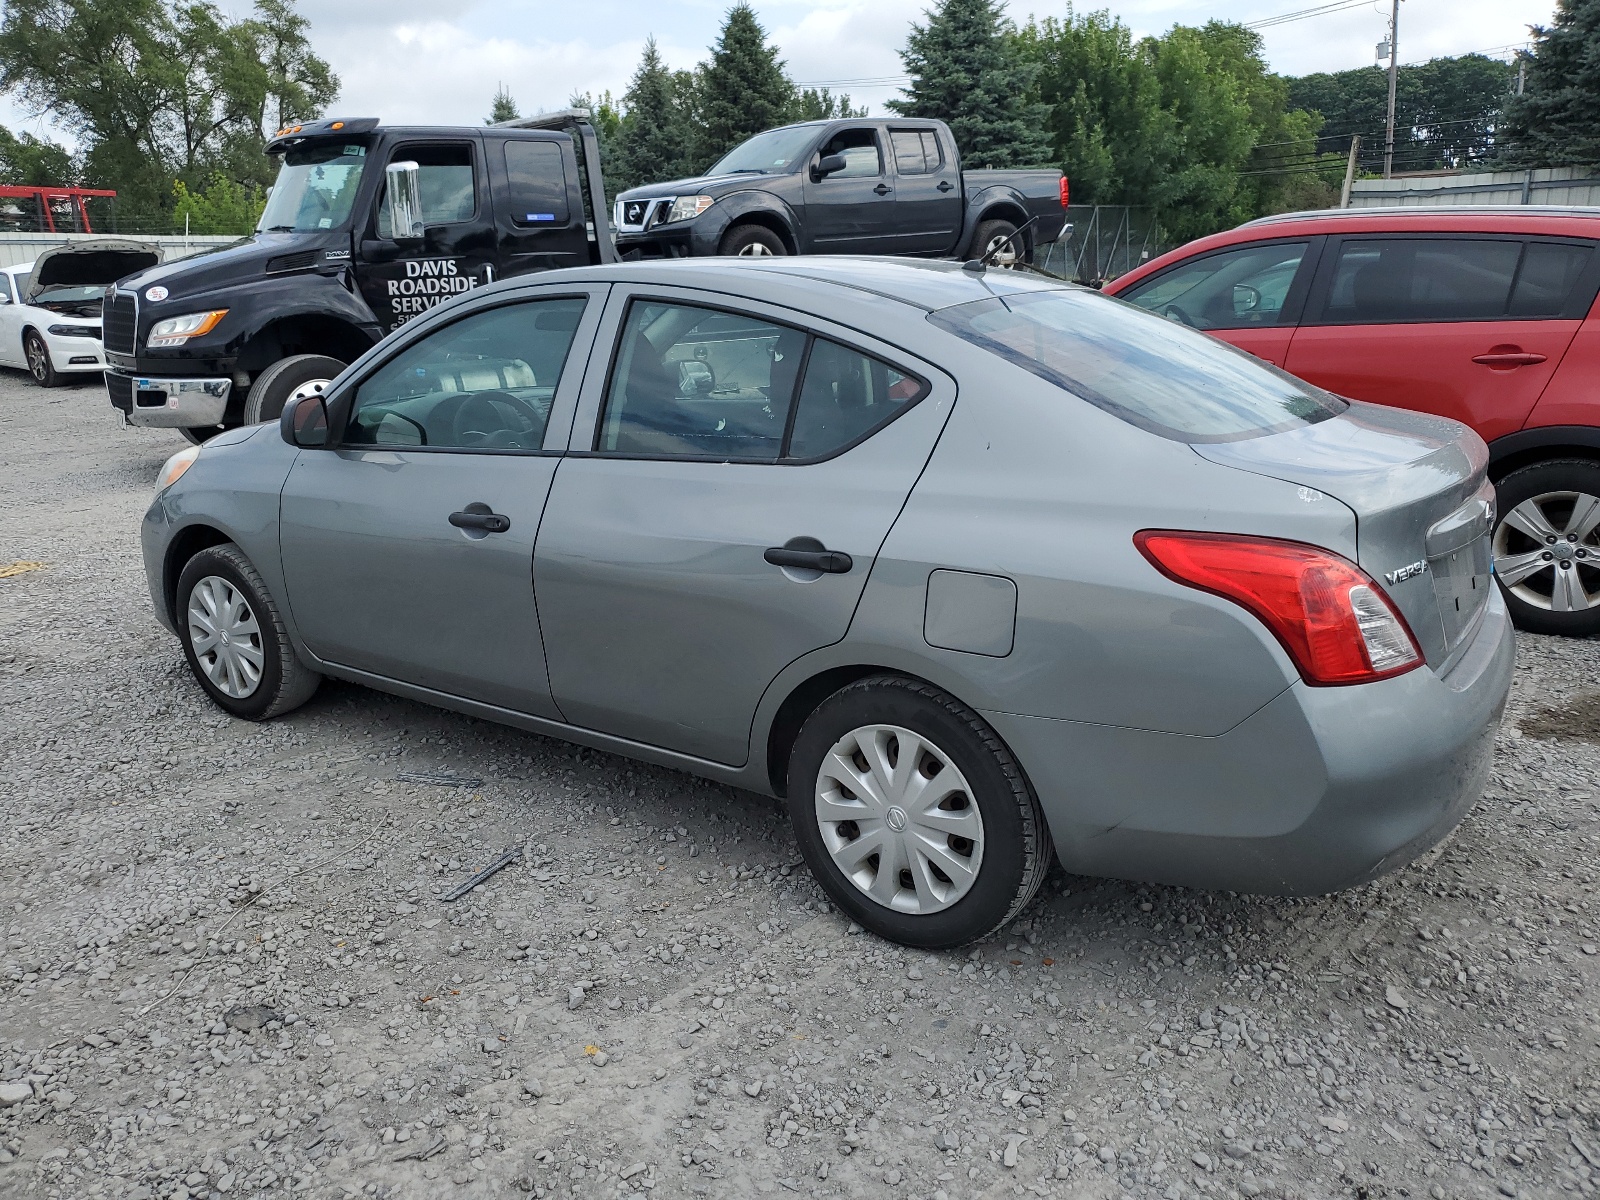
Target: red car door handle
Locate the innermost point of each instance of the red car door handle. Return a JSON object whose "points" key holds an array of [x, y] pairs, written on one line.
{"points": [[1508, 358]]}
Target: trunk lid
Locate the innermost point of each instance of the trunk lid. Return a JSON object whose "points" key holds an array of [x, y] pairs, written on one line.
{"points": [[97, 263], [1424, 507]]}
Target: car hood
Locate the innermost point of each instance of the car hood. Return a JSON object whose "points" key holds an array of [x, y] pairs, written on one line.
{"points": [[100, 262], [709, 184]]}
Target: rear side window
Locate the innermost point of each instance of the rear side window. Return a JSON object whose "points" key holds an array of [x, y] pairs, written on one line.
{"points": [[1398, 280], [538, 179], [1232, 289], [916, 151], [1150, 372]]}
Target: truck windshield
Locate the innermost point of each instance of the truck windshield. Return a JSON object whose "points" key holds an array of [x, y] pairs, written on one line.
{"points": [[316, 188], [770, 153]]}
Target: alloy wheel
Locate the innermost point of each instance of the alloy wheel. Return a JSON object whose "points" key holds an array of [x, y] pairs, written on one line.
{"points": [[756, 250], [1547, 551], [898, 819], [226, 637], [1001, 250], [38, 359]]}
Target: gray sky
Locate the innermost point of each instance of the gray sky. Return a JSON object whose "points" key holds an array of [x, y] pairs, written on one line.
{"points": [[405, 61]]}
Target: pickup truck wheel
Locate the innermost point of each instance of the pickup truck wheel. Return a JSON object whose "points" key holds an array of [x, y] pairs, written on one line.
{"points": [[995, 244], [752, 241], [1547, 547], [39, 364], [288, 379], [234, 638]]}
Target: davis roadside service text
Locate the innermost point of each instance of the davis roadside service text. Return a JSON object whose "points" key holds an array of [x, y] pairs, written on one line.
{"points": [[427, 282]]}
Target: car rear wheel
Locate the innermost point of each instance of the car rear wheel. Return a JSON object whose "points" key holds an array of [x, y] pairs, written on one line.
{"points": [[913, 815], [995, 242], [288, 379], [234, 638], [39, 364], [1547, 547], [752, 241]]}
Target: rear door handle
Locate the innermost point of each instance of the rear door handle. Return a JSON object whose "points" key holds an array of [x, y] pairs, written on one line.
{"points": [[489, 522], [945, 185], [831, 562], [883, 189], [1508, 358]]}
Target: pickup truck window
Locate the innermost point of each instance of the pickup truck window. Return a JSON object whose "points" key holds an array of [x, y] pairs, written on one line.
{"points": [[860, 149], [1151, 372], [315, 188], [538, 183], [769, 153], [444, 178], [916, 151]]}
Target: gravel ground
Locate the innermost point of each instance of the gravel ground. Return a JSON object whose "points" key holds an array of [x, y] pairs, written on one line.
{"points": [[229, 971]]}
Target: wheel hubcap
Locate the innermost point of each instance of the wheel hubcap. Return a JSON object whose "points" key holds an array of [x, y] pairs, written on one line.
{"points": [[311, 387], [755, 250], [1001, 251], [898, 819], [226, 637], [1547, 551]]}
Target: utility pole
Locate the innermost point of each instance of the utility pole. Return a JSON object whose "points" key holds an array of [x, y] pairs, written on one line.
{"points": [[1522, 75], [1394, 72], [1350, 171]]}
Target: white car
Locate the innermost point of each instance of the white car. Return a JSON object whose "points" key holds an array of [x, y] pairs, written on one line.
{"points": [[50, 308]]}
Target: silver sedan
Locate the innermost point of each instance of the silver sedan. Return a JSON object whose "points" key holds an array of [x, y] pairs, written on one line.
{"points": [[975, 570]]}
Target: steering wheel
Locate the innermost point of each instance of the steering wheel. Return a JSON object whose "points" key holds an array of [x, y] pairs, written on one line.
{"points": [[1173, 313], [479, 421]]}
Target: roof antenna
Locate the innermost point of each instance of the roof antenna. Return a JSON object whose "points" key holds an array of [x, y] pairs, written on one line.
{"points": [[977, 265]]}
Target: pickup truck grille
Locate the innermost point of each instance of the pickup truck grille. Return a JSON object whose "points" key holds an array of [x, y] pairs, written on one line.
{"points": [[635, 216], [120, 317]]}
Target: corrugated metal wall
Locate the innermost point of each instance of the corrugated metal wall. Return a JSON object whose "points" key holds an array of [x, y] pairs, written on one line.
{"points": [[25, 247], [1545, 185]]}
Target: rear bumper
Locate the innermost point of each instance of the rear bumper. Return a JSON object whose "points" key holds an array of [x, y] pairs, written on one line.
{"points": [[1320, 790], [168, 403]]}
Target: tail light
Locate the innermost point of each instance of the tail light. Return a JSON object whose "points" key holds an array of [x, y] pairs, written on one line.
{"points": [[1330, 615], [1063, 191]]}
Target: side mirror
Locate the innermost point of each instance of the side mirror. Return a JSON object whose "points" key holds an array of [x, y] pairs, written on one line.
{"points": [[827, 165], [304, 423], [695, 378], [4, 299], [403, 200]]}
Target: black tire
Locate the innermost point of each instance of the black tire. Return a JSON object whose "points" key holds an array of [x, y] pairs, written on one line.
{"points": [[271, 389], [284, 683], [990, 232], [1016, 850], [756, 241], [1554, 489], [199, 435], [37, 355]]}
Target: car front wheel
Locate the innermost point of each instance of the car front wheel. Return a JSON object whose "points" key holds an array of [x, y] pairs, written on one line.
{"points": [[913, 815], [1547, 546], [39, 364]]}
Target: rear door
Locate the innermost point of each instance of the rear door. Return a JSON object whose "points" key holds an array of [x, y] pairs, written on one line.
{"points": [[1249, 296], [850, 211], [1469, 326], [929, 205], [721, 446], [538, 207]]}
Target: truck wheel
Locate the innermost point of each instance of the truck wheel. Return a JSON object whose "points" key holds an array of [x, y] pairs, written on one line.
{"points": [[39, 364], [752, 241], [288, 379], [993, 242], [1547, 547]]}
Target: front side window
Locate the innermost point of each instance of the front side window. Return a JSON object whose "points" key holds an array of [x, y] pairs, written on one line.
{"points": [[444, 180], [5, 286], [485, 382], [315, 189], [1395, 280], [1233, 289], [860, 150], [1150, 372], [692, 382]]}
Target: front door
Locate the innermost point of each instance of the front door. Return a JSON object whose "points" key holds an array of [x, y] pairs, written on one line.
{"points": [[1465, 326], [720, 518], [929, 203], [402, 278], [851, 211], [408, 546]]}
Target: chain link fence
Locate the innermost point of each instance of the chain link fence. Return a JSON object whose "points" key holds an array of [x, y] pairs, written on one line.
{"points": [[1103, 241]]}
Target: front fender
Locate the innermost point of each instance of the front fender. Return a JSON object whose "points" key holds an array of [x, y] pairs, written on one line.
{"points": [[305, 294], [730, 210]]}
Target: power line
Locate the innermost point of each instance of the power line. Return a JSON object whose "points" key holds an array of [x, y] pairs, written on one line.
{"points": [[1304, 14]]}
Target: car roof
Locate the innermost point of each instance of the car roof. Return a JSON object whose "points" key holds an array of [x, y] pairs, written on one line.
{"points": [[1424, 212], [14, 267]]}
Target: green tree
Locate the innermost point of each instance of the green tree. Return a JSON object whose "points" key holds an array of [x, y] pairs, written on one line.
{"points": [[222, 207], [649, 143], [966, 70], [813, 104], [1556, 120], [742, 90], [502, 108], [34, 162]]}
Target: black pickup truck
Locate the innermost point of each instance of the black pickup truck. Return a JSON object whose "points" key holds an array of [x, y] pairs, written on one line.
{"points": [[845, 187], [365, 228]]}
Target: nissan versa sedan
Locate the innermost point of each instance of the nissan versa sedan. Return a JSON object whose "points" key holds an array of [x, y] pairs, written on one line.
{"points": [[973, 569]]}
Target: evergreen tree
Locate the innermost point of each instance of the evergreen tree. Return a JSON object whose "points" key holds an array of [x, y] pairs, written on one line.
{"points": [[504, 108], [742, 90], [649, 144], [1556, 121], [965, 70], [812, 104]]}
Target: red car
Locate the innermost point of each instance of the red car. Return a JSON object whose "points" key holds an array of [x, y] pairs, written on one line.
{"points": [[1486, 315]]}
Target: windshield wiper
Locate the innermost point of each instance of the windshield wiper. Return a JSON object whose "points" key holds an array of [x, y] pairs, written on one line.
{"points": [[742, 171], [279, 229]]}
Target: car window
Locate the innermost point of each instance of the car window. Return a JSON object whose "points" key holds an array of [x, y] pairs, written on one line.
{"points": [[694, 382], [845, 396], [23, 277], [1233, 289], [1421, 279], [860, 150], [538, 181], [1150, 372], [5, 285], [485, 382], [1549, 273], [909, 156], [444, 180]]}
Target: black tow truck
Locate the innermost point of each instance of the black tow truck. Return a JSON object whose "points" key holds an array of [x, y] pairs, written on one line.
{"points": [[366, 227]]}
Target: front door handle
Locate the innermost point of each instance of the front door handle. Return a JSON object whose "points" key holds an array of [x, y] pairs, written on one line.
{"points": [[830, 562], [1508, 356], [945, 185], [883, 189], [489, 522]]}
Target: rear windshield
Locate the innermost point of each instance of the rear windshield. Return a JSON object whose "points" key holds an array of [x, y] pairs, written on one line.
{"points": [[1149, 371]]}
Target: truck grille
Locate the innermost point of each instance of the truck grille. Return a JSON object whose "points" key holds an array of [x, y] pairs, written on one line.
{"points": [[119, 388], [120, 316]]}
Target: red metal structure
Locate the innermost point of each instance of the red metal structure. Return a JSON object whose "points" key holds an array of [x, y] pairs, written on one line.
{"points": [[59, 209]]}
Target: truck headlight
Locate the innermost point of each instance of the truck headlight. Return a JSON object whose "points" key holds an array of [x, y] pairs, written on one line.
{"points": [[175, 331], [687, 208]]}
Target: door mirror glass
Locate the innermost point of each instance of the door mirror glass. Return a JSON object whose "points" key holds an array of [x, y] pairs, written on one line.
{"points": [[828, 164], [403, 200], [695, 378], [1246, 299], [5, 298], [305, 422]]}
